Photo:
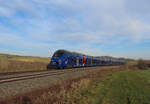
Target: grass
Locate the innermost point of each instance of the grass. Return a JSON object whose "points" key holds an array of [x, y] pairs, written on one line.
{"points": [[125, 87], [65, 92], [13, 63], [103, 87], [24, 58]]}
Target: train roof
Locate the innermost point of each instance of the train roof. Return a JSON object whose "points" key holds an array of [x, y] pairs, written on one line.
{"points": [[65, 51], [80, 54]]}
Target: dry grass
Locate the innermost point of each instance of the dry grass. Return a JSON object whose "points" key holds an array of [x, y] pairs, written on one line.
{"points": [[31, 59], [4, 64], [14, 66], [62, 92], [104, 87], [10, 63], [137, 65], [79, 90]]}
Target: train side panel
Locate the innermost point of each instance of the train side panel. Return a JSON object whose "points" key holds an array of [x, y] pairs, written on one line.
{"points": [[65, 59]]}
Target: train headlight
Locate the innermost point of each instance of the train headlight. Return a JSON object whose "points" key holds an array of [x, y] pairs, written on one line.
{"points": [[59, 61], [54, 63]]}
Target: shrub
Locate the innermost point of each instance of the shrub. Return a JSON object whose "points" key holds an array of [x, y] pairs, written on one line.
{"points": [[141, 64]]}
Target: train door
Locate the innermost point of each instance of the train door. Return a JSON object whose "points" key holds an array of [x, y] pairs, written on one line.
{"points": [[84, 61], [91, 62], [77, 61], [80, 61], [73, 61]]}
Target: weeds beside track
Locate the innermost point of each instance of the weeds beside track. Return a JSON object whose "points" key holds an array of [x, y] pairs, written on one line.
{"points": [[65, 92]]}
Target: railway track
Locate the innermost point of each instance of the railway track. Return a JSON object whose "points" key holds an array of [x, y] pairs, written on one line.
{"points": [[36, 74], [12, 85], [13, 78], [19, 72]]}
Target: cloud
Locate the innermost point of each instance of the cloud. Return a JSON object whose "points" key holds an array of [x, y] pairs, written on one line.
{"points": [[74, 23], [5, 11]]}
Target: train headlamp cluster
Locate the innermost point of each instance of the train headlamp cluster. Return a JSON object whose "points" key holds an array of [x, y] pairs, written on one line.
{"points": [[54, 63], [59, 61]]}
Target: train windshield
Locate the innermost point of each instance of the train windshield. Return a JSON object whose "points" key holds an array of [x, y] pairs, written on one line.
{"points": [[58, 54]]}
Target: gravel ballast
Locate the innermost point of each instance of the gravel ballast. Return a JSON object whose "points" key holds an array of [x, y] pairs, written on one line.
{"points": [[23, 86]]}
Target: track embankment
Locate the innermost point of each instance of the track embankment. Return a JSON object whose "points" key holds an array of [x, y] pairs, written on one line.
{"points": [[12, 85]]}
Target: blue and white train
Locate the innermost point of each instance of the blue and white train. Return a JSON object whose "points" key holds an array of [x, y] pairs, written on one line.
{"points": [[65, 59]]}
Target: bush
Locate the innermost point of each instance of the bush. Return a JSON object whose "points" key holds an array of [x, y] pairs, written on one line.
{"points": [[141, 64]]}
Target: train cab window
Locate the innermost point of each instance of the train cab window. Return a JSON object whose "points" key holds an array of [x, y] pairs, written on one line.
{"points": [[58, 54]]}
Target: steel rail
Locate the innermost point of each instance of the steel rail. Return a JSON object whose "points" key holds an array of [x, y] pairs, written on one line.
{"points": [[38, 75], [31, 76]]}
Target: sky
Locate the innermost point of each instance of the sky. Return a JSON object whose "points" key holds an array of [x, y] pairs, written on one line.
{"points": [[119, 28]]}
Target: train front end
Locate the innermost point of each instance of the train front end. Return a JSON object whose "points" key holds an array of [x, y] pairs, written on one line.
{"points": [[57, 60]]}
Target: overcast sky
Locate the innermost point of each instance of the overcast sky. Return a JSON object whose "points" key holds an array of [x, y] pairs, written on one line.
{"points": [[119, 28]]}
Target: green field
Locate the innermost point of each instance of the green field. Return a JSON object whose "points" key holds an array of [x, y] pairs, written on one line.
{"points": [[124, 87]]}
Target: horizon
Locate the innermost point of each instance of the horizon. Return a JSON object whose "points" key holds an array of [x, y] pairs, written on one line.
{"points": [[117, 28], [67, 50]]}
